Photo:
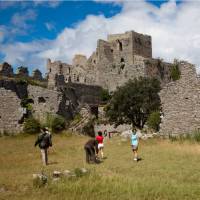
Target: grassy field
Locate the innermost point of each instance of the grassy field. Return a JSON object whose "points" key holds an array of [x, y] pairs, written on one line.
{"points": [[168, 170]]}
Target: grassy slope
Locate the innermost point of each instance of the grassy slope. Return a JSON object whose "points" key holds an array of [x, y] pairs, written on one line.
{"points": [[167, 171]]}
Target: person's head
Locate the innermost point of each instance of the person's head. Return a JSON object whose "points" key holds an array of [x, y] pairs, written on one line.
{"points": [[99, 133], [134, 130], [45, 129]]}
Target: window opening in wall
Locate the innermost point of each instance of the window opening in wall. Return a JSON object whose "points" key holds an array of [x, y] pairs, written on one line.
{"points": [[94, 61], [119, 45], [111, 50], [77, 79], [122, 64], [69, 70], [138, 40], [41, 100], [60, 69], [50, 70]]}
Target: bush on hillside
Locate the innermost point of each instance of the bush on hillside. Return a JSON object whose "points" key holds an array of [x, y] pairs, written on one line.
{"points": [[88, 129], [154, 120], [175, 72], [105, 96], [58, 123], [31, 126]]}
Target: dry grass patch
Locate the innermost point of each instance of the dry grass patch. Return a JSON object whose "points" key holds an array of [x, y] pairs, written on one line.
{"points": [[167, 170]]}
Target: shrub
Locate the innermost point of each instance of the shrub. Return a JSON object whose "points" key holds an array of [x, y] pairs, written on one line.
{"points": [[88, 129], [196, 136], [78, 172], [175, 72], [154, 120], [58, 123], [40, 181], [31, 126], [105, 96]]}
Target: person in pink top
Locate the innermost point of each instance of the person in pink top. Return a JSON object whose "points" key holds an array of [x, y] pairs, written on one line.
{"points": [[99, 139]]}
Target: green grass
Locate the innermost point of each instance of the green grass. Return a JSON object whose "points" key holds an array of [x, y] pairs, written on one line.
{"points": [[168, 170]]}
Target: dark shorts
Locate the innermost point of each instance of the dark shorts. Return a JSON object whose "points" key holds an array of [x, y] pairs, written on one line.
{"points": [[134, 147]]}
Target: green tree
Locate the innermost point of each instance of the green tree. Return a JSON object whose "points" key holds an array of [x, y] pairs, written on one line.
{"points": [[133, 102]]}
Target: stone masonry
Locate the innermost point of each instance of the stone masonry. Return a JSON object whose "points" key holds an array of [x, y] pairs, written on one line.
{"points": [[10, 112], [120, 58], [6, 69], [115, 61], [181, 103]]}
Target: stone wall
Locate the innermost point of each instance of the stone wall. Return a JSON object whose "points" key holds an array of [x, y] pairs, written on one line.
{"points": [[45, 101], [37, 75], [112, 64], [86, 94], [181, 103], [6, 69], [11, 112], [158, 69]]}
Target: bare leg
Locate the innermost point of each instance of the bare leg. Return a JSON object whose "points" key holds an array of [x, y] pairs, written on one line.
{"points": [[135, 153], [101, 152]]}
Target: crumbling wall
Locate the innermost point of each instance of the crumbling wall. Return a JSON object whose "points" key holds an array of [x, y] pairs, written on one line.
{"points": [[86, 94], [37, 75], [6, 69], [181, 103], [11, 112], [137, 43], [112, 64], [158, 69], [22, 71], [45, 101]]}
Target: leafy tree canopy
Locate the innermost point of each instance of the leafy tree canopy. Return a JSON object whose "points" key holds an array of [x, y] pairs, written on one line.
{"points": [[134, 102]]}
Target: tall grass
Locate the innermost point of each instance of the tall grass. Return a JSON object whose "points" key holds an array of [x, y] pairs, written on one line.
{"points": [[191, 137], [168, 171]]}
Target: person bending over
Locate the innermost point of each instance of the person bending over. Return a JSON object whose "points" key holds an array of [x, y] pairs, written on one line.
{"points": [[91, 150]]}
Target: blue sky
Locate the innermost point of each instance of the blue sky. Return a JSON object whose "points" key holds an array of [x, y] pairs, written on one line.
{"points": [[32, 31]]}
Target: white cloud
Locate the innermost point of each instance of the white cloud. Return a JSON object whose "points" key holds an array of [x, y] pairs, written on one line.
{"points": [[20, 19], [175, 31], [50, 26], [5, 4], [48, 3]]}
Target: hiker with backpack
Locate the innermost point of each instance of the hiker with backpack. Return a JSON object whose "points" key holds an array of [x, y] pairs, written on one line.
{"points": [[44, 142]]}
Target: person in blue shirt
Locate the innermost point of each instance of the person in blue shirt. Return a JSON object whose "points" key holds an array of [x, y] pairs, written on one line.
{"points": [[134, 144]]}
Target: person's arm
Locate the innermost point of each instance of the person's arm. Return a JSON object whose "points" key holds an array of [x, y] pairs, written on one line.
{"points": [[50, 141], [37, 141]]}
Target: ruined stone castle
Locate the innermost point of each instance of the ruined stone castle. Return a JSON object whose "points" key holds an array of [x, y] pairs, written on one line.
{"points": [[120, 58], [115, 61]]}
